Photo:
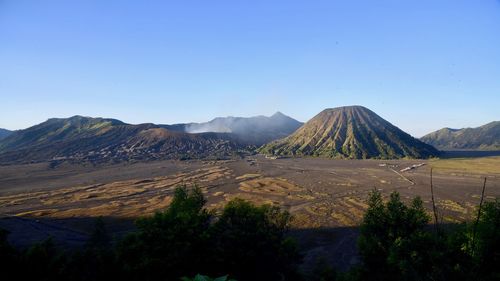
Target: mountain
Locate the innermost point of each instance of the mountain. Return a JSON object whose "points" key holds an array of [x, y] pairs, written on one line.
{"points": [[350, 132], [104, 140], [4, 133], [251, 131], [58, 129], [486, 137]]}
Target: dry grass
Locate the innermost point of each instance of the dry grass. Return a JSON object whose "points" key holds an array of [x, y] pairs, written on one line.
{"points": [[452, 206], [483, 165]]}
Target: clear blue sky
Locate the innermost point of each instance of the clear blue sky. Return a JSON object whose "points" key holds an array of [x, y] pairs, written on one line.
{"points": [[421, 64]]}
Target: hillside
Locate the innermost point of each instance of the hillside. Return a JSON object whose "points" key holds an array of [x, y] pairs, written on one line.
{"points": [[56, 130], [104, 140], [251, 131], [486, 137], [4, 133], [350, 132]]}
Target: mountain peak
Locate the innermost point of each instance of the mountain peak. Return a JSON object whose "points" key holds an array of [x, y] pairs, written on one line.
{"points": [[279, 114], [256, 130], [281, 117], [350, 132], [347, 108]]}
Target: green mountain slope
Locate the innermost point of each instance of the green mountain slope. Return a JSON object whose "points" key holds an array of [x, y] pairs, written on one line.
{"points": [[108, 140], [58, 129], [486, 137], [350, 132]]}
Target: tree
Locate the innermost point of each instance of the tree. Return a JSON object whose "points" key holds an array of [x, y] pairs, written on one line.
{"points": [[393, 243], [250, 244], [244, 241], [170, 244], [486, 252]]}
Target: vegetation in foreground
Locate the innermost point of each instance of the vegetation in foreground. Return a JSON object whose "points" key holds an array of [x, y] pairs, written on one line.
{"points": [[243, 241], [246, 242]]}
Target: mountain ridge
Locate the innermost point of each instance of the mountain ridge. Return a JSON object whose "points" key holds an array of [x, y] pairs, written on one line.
{"points": [[485, 137], [4, 133], [109, 140]]}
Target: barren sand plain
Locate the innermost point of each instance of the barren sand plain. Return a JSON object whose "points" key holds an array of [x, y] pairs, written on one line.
{"points": [[326, 197]]}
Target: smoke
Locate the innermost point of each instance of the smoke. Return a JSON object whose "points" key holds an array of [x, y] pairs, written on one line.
{"points": [[241, 126], [215, 126]]}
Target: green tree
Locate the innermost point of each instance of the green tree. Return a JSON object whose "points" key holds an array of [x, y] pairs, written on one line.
{"points": [[250, 243], [393, 243], [486, 251], [170, 244]]}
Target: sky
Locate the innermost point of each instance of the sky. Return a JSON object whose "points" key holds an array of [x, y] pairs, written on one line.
{"points": [[420, 64]]}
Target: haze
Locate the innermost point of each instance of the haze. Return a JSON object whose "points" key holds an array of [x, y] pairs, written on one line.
{"points": [[422, 64]]}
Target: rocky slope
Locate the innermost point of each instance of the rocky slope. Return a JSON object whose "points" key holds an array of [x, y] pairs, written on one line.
{"points": [[350, 132]]}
